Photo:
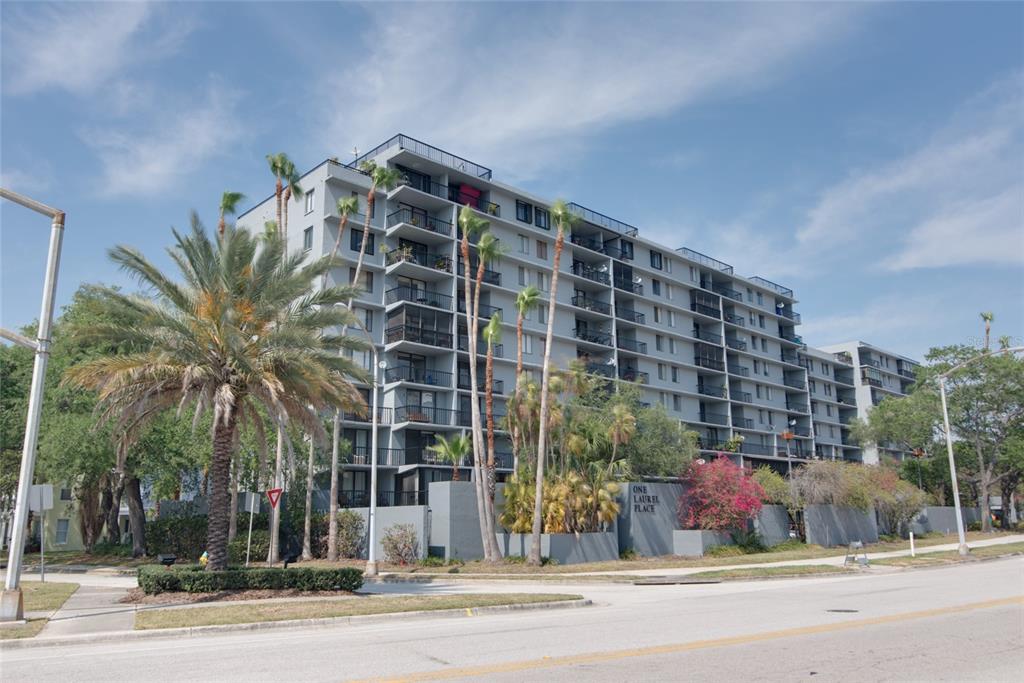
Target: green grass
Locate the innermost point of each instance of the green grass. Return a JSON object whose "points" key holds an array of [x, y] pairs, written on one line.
{"points": [[951, 556], [284, 611], [46, 596], [27, 630], [80, 557], [768, 572]]}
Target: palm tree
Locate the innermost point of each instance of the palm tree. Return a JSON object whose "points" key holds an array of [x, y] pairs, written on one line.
{"points": [[564, 220], [278, 163], [621, 429], [988, 317], [228, 205], [527, 300], [243, 331], [307, 522], [381, 177], [492, 335], [291, 187], [346, 207], [472, 225], [453, 451]]}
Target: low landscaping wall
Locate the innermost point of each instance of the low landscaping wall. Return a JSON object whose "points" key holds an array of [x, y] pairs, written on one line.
{"points": [[564, 548], [416, 515], [647, 517], [942, 518], [831, 525], [696, 542], [454, 522], [772, 524]]}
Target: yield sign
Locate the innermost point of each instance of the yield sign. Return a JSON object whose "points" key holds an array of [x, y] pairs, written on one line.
{"points": [[274, 495]]}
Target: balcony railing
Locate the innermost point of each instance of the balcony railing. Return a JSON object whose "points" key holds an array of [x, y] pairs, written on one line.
{"points": [[714, 418], [871, 381], [465, 418], [631, 345], [795, 317], [796, 406], [627, 285], [421, 258], [361, 499], [727, 291], [789, 356], [737, 344], [634, 375], [388, 457], [481, 346], [486, 310], [591, 304], [601, 220], [704, 335], [478, 203], [735, 319], [801, 431], [419, 220], [411, 373], [592, 336], [602, 369], [591, 243], [710, 363], [717, 392], [418, 335], [383, 416], [755, 448], [742, 422], [491, 277], [424, 414], [778, 289], [742, 396], [497, 386], [790, 337], [585, 271], [795, 383], [909, 374], [630, 315], [418, 296], [706, 310]]}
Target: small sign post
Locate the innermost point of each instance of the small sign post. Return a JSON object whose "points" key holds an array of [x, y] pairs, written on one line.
{"points": [[274, 495], [252, 504], [41, 500]]}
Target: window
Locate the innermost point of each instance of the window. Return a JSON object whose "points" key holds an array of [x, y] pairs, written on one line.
{"points": [[524, 244], [671, 318], [366, 284], [522, 276], [542, 315], [656, 259], [658, 342], [627, 249], [373, 213], [366, 315], [62, 531], [307, 238], [760, 320], [309, 201], [671, 345], [828, 389], [668, 265], [831, 431], [355, 241], [757, 390], [828, 410], [766, 369], [677, 403], [760, 416], [771, 418], [675, 374], [527, 344], [693, 274], [661, 371], [524, 211], [542, 281], [760, 299], [541, 219], [65, 494], [668, 291], [542, 250], [814, 386], [764, 344], [768, 393], [814, 407], [750, 294], [757, 367], [656, 286], [657, 314]]}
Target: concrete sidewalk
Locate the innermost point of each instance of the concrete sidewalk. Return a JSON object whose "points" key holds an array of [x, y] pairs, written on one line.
{"points": [[91, 609]]}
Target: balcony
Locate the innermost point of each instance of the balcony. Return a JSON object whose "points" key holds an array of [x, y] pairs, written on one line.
{"points": [[481, 347], [714, 418], [466, 198], [592, 336], [908, 374], [386, 457], [599, 219], [361, 498], [727, 291], [742, 422], [630, 315], [591, 304], [737, 320], [491, 277], [383, 416], [872, 382], [592, 243], [800, 431], [418, 335], [602, 369], [795, 383], [843, 357], [734, 343], [497, 386], [617, 253], [627, 285], [717, 392], [791, 358], [755, 449], [741, 396], [420, 258], [634, 375], [705, 310], [704, 335], [796, 407], [411, 373], [795, 317], [465, 418], [486, 311], [589, 273], [739, 370], [631, 345], [418, 296], [710, 363], [792, 338], [424, 414], [420, 220]]}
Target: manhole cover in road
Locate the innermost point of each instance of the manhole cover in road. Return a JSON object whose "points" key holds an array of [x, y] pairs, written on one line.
{"points": [[844, 611]]}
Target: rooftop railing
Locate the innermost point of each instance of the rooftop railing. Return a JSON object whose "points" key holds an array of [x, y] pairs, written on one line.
{"points": [[775, 287], [705, 260], [603, 221], [437, 154]]}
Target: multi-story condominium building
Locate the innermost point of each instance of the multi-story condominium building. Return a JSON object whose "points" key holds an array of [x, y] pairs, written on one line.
{"points": [[830, 385], [877, 373], [718, 350]]}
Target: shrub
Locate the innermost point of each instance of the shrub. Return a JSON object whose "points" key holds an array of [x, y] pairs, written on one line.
{"points": [[181, 536], [974, 526], [108, 549], [628, 554], [194, 579], [432, 562], [791, 544], [776, 488], [748, 541], [260, 546], [350, 534], [725, 551], [720, 496], [401, 546]]}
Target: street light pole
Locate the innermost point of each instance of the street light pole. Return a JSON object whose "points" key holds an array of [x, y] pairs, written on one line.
{"points": [[371, 552], [11, 602]]}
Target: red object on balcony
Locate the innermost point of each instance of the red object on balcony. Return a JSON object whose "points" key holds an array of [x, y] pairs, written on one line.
{"points": [[469, 195]]}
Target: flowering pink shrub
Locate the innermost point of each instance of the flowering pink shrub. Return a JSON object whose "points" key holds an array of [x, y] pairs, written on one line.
{"points": [[720, 496]]}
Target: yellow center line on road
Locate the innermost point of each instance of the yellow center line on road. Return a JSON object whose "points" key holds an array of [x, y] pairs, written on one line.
{"points": [[615, 655]]}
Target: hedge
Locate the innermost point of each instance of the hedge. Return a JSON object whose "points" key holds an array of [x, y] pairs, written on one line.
{"points": [[194, 579]]}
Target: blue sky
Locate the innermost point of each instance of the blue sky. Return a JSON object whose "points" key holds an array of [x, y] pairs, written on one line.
{"points": [[871, 157]]}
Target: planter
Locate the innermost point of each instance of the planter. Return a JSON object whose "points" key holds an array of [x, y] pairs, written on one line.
{"points": [[696, 542], [597, 546]]}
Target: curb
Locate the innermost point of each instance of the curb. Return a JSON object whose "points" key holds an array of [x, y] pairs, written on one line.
{"points": [[512, 578], [326, 622]]}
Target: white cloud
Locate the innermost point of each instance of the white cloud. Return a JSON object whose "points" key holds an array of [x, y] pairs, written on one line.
{"points": [[27, 181], [79, 47], [158, 158], [527, 90], [907, 323]]}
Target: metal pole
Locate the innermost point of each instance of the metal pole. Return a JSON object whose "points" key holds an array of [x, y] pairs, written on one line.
{"points": [[42, 546], [248, 543], [962, 548], [371, 552], [35, 405]]}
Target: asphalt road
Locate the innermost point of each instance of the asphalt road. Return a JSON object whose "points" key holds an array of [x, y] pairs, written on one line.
{"points": [[956, 623]]}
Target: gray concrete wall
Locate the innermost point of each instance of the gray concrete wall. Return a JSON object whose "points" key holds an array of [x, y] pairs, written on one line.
{"points": [[455, 524], [942, 518], [829, 525], [696, 542], [772, 524], [648, 515], [564, 548], [416, 515]]}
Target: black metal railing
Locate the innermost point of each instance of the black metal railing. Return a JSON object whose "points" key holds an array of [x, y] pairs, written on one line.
{"points": [[491, 277], [599, 219], [740, 370], [795, 317], [634, 375], [734, 343], [585, 271], [602, 369], [704, 259], [477, 202], [486, 310], [704, 335], [631, 345], [387, 457], [497, 386], [714, 418], [481, 346], [755, 448], [418, 296], [418, 335], [742, 422], [627, 285], [717, 392], [706, 310], [791, 358], [711, 363], [790, 337], [735, 319], [419, 220], [589, 242], [796, 406], [412, 373], [592, 336], [630, 315], [742, 396], [425, 414], [795, 383], [437, 154], [464, 418], [768, 284], [591, 304], [727, 291], [383, 416], [420, 258]]}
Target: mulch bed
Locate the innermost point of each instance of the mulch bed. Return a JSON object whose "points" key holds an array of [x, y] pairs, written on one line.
{"points": [[137, 597]]}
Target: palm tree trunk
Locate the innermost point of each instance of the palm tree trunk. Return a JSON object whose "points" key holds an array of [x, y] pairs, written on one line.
{"points": [[307, 525], [490, 540], [278, 189], [515, 393], [274, 552], [114, 516], [489, 401], [233, 520], [335, 248], [221, 224], [332, 522], [136, 516], [542, 432], [217, 530], [284, 209], [474, 408]]}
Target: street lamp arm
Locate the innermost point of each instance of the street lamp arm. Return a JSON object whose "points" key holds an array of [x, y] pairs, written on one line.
{"points": [[972, 359]]}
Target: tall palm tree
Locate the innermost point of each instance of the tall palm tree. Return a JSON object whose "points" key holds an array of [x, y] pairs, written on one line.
{"points": [[452, 450], [988, 317], [307, 522], [278, 164], [622, 428], [242, 331], [291, 187], [346, 207], [381, 178], [527, 300], [564, 221], [492, 335], [228, 205], [471, 225]]}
